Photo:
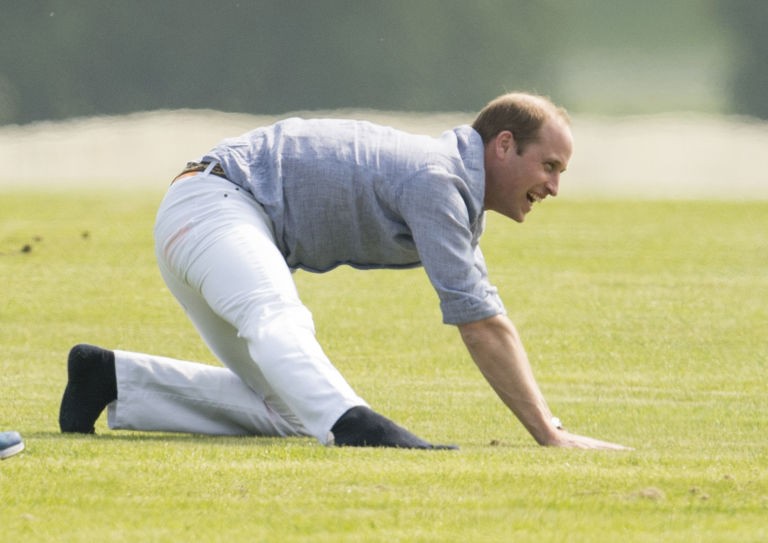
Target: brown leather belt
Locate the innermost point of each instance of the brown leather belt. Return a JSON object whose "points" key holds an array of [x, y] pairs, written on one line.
{"points": [[197, 167]]}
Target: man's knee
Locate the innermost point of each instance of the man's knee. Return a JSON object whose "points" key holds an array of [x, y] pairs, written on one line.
{"points": [[278, 327]]}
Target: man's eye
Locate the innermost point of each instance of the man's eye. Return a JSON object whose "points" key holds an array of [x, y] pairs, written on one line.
{"points": [[549, 167]]}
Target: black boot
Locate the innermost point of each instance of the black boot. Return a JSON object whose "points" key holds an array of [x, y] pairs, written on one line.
{"points": [[363, 427], [91, 386]]}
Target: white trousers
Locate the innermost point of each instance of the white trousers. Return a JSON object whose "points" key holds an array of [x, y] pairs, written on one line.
{"points": [[216, 251]]}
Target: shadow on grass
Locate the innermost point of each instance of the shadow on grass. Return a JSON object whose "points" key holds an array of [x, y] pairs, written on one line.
{"points": [[154, 437]]}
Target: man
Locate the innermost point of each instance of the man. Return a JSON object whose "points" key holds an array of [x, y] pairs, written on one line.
{"points": [[10, 444], [315, 194]]}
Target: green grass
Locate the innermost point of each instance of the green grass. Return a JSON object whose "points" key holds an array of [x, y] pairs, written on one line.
{"points": [[645, 323]]}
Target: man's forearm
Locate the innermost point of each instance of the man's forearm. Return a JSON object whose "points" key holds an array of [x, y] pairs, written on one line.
{"points": [[497, 350], [495, 346]]}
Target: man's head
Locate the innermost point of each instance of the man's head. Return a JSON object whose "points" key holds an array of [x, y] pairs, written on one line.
{"points": [[528, 145]]}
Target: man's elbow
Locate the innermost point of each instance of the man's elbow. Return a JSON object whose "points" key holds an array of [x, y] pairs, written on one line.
{"points": [[478, 332]]}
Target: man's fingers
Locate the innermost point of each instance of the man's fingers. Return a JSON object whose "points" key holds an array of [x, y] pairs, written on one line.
{"points": [[574, 441]]}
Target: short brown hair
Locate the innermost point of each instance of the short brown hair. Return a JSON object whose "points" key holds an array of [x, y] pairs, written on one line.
{"points": [[521, 113]]}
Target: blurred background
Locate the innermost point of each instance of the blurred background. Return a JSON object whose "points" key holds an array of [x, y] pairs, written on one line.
{"points": [[607, 61]]}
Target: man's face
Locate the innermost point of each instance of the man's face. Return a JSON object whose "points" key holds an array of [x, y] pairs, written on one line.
{"points": [[514, 182]]}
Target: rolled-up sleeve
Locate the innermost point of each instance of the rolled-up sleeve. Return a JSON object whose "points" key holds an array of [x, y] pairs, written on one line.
{"points": [[438, 210]]}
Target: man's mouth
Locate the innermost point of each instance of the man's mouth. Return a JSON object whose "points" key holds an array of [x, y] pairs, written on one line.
{"points": [[533, 197]]}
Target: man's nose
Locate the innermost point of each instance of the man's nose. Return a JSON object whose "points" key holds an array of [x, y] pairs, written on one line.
{"points": [[553, 185]]}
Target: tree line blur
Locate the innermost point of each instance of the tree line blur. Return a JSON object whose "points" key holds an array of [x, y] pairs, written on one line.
{"points": [[66, 58]]}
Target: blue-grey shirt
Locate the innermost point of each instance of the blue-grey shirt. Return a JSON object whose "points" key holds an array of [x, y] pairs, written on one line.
{"points": [[369, 196]]}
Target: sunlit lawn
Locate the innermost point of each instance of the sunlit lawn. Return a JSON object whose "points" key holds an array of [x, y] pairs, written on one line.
{"points": [[645, 323]]}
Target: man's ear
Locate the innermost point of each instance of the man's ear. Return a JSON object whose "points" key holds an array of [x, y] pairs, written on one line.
{"points": [[505, 141]]}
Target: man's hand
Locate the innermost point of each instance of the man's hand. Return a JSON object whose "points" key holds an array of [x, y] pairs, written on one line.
{"points": [[563, 438]]}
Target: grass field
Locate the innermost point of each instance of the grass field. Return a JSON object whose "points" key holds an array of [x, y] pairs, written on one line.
{"points": [[645, 322]]}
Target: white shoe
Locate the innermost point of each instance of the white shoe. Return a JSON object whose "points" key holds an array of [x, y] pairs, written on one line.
{"points": [[10, 444]]}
